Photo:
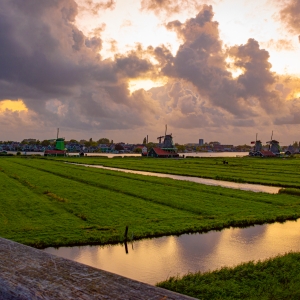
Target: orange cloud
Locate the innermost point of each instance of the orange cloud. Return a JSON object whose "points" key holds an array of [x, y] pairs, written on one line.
{"points": [[11, 105]]}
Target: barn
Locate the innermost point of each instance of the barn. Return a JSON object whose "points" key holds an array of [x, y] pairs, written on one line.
{"points": [[158, 152]]}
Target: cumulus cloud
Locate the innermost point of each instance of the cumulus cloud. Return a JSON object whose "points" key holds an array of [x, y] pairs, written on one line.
{"points": [[44, 56], [204, 94], [58, 72], [290, 15], [201, 60]]}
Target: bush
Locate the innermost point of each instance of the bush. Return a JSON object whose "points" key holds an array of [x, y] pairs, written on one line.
{"points": [[18, 153]]}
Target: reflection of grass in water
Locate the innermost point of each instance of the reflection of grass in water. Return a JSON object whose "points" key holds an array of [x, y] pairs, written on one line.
{"points": [[267, 171], [64, 204], [277, 278]]}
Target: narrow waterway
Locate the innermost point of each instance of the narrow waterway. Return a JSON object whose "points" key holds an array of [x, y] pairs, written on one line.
{"points": [[154, 260], [227, 184]]}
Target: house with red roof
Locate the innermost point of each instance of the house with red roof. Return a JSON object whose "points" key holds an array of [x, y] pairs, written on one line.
{"points": [[158, 152]]}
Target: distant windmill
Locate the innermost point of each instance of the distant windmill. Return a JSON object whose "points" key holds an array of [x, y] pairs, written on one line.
{"points": [[269, 142], [274, 145], [162, 136], [59, 146], [257, 147]]}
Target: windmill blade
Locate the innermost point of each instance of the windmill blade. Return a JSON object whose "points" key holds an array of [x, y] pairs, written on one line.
{"points": [[272, 135], [166, 130]]}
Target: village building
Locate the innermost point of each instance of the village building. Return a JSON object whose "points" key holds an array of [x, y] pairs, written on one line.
{"points": [[166, 149]]}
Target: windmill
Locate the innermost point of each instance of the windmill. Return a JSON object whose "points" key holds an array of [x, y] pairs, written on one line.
{"points": [[274, 145], [270, 141], [165, 148], [257, 146], [59, 146], [162, 136]]}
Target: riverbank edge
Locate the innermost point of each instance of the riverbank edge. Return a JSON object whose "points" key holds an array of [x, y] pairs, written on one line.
{"points": [[273, 278], [231, 224]]}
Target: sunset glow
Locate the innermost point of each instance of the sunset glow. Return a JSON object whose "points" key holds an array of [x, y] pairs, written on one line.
{"points": [[211, 69], [12, 105]]}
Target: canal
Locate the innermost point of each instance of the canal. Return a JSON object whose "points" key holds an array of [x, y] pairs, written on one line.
{"points": [[154, 260]]}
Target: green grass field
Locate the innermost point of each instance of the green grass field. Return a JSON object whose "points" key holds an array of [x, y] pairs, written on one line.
{"points": [[49, 203], [274, 279], [271, 171]]}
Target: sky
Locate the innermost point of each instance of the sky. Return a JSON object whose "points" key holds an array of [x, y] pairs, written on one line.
{"points": [[218, 70]]}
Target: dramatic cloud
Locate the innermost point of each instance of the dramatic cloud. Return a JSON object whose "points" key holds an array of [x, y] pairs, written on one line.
{"points": [[201, 60], [48, 62], [49, 65], [291, 16]]}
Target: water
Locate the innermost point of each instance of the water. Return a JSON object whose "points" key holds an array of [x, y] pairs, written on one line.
{"points": [[154, 260], [195, 154], [227, 184]]}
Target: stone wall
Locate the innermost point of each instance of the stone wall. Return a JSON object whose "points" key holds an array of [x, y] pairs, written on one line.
{"points": [[29, 273]]}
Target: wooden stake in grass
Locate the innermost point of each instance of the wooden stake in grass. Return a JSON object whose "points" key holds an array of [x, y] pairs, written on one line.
{"points": [[126, 231], [125, 242]]}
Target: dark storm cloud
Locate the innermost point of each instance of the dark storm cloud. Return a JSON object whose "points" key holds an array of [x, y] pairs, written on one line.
{"points": [[46, 59]]}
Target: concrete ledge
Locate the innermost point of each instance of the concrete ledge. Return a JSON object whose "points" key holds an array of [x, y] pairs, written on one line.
{"points": [[29, 273]]}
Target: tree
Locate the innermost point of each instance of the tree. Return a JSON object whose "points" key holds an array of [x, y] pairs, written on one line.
{"points": [[144, 141], [73, 141], [93, 144], [119, 147], [87, 143], [137, 150], [45, 143], [150, 145], [180, 148], [103, 141]]}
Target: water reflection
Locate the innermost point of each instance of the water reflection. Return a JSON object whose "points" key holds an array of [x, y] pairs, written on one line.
{"points": [[228, 184], [154, 260]]}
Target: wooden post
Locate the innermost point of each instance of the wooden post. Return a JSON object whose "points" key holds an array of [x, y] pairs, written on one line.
{"points": [[126, 231]]}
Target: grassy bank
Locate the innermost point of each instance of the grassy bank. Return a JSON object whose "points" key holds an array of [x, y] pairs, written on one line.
{"points": [[275, 279], [267, 171], [49, 203]]}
